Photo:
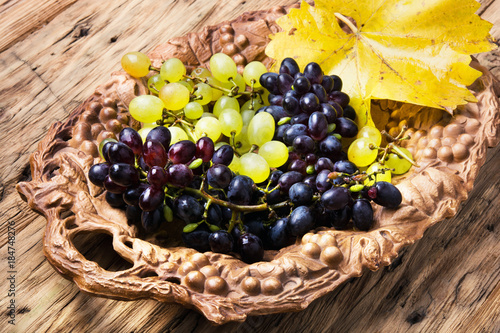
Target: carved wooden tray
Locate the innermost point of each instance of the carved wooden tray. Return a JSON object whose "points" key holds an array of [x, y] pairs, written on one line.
{"points": [[449, 150]]}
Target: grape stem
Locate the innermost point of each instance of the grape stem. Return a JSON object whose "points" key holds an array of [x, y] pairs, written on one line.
{"points": [[347, 22]]}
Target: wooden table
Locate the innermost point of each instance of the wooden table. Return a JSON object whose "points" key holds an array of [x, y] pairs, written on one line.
{"points": [[53, 54]]}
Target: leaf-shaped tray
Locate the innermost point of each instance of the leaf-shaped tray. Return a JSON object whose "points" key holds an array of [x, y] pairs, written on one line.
{"points": [[450, 151]]}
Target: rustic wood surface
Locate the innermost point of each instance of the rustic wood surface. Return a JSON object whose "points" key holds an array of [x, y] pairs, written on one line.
{"points": [[53, 54]]}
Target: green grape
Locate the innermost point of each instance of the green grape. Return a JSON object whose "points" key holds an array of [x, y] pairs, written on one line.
{"points": [[371, 133], [204, 91], [225, 102], [359, 152], [172, 70], [253, 71], [193, 110], [235, 164], [241, 141], [255, 104], [385, 176], [187, 85], [223, 67], [103, 142], [143, 132], [146, 108], [177, 134], [201, 73], [261, 129], [208, 114], [240, 82], [275, 153], [136, 64], [254, 166], [216, 93], [230, 122], [208, 126], [400, 165], [247, 116], [174, 95], [155, 83]]}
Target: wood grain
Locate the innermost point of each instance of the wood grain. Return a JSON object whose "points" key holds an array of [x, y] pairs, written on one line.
{"points": [[449, 281]]}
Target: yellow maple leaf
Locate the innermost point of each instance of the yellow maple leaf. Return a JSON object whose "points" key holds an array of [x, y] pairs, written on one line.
{"points": [[411, 51]]}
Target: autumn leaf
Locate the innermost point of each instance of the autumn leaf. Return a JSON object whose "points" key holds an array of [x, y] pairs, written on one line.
{"points": [[411, 51]]}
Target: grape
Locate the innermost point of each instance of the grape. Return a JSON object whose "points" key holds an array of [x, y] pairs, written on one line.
{"points": [[359, 152], [221, 242], [330, 147], [177, 134], [294, 131], [327, 83], [160, 134], [278, 234], [337, 83], [322, 183], [320, 92], [301, 118], [299, 166], [219, 176], [208, 127], [214, 215], [301, 221], [291, 105], [235, 164], [285, 82], [193, 110], [371, 133], [311, 158], [340, 218], [346, 127], [275, 99], [231, 122], [400, 165], [289, 66], [254, 166], [362, 214], [309, 102], [136, 64], [144, 131], [350, 113], [323, 163], [313, 72], [250, 248], [300, 194], [387, 195], [201, 73], [197, 239], [112, 187], [121, 153], [280, 132], [155, 83], [151, 198], [146, 108], [223, 67], [157, 176], [205, 149], [240, 190], [339, 97], [175, 96], [172, 70], [131, 138], [275, 153], [104, 148], [251, 105], [182, 152], [154, 154], [274, 110], [216, 93], [225, 102], [133, 193], [133, 214], [179, 175], [151, 220], [114, 200], [311, 181], [98, 173], [123, 174], [188, 209], [301, 85], [204, 93], [318, 126], [223, 155], [345, 167], [335, 198], [288, 179], [270, 82], [261, 129], [252, 72], [384, 176]]}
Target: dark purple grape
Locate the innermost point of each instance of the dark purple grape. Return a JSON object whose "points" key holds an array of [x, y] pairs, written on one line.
{"points": [[280, 132], [339, 97], [188, 209], [311, 159], [240, 190], [313, 72], [274, 177], [291, 105], [311, 181], [114, 200], [182, 152], [105, 149], [337, 83], [320, 92], [303, 144], [293, 132], [160, 134], [274, 110], [301, 221], [197, 239], [98, 173], [289, 66], [275, 197], [288, 179], [151, 220], [219, 176], [142, 164], [131, 138], [388, 195], [251, 248], [336, 198], [120, 153], [284, 82], [278, 234], [322, 183], [330, 147], [123, 174], [350, 113], [133, 214], [214, 215], [270, 82], [362, 214], [157, 176], [254, 222], [221, 242], [339, 218], [329, 111], [346, 127], [301, 85], [224, 155], [154, 154], [323, 163], [345, 166], [151, 198], [112, 187], [309, 103], [133, 193], [300, 194], [327, 83], [179, 175], [275, 99], [299, 166], [205, 149], [292, 93], [301, 118], [338, 109], [318, 126]]}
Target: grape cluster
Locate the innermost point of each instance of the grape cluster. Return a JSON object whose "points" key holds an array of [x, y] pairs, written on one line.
{"points": [[242, 178]]}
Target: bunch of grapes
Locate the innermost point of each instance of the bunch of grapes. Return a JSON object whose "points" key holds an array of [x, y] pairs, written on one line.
{"points": [[242, 173]]}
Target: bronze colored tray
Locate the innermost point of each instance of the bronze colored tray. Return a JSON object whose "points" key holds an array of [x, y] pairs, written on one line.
{"points": [[449, 150]]}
